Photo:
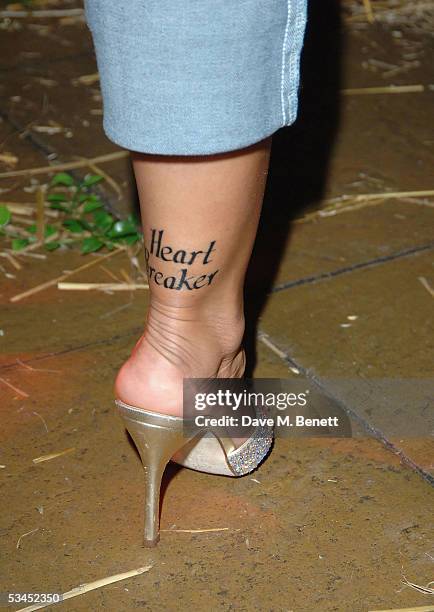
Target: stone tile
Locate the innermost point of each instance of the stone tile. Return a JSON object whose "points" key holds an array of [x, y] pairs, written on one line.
{"points": [[333, 243], [380, 364]]}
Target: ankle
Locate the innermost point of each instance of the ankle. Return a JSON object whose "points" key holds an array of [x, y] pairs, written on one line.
{"points": [[181, 333], [181, 342]]}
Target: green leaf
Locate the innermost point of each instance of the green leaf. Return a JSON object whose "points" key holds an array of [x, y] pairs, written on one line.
{"points": [[91, 179], [123, 228], [73, 225], [90, 227], [49, 230], [91, 244], [88, 197], [58, 206], [103, 220], [5, 215], [91, 206], [62, 178], [52, 246], [131, 239], [57, 197], [19, 243]]}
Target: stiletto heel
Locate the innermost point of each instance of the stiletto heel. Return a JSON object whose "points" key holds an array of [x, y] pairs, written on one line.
{"points": [[157, 438], [160, 438]]}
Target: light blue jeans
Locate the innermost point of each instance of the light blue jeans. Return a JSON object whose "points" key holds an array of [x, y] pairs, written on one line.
{"points": [[196, 77]]}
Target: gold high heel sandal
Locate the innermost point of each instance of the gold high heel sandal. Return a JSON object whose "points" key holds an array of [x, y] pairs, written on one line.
{"points": [[160, 438]]}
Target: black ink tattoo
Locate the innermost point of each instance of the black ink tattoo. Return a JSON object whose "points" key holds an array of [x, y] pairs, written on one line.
{"points": [[181, 281]]}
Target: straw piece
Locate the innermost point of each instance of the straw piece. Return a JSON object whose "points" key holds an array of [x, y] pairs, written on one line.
{"points": [[8, 158], [23, 220], [386, 195], [8, 384], [12, 260], [87, 79], [368, 10], [26, 366], [126, 276], [42, 14], [24, 535], [108, 179], [27, 209], [42, 419], [426, 284], [264, 339], [91, 586], [37, 244], [196, 530], [110, 273], [345, 203], [40, 220], [105, 286], [52, 455], [412, 609], [389, 89], [426, 590], [62, 277], [33, 255], [67, 166]]}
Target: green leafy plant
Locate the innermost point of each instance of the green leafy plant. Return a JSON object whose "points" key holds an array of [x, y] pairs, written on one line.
{"points": [[83, 219]]}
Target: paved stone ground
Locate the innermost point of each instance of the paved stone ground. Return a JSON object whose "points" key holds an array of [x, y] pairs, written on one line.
{"points": [[324, 524]]}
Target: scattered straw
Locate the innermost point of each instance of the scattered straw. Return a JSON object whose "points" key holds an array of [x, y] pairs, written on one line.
{"points": [[32, 255], [60, 278], [87, 79], [126, 276], [67, 166], [416, 15], [346, 203], [412, 609], [386, 195], [27, 209], [11, 386], [110, 273], [426, 284], [110, 313], [26, 534], [40, 216], [197, 530], [101, 286], [108, 179], [426, 590], [42, 419], [8, 158], [37, 244], [12, 260], [52, 455], [26, 366], [91, 586], [389, 89], [264, 339], [369, 12]]}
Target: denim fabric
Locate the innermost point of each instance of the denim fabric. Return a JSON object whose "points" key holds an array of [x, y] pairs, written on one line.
{"points": [[195, 77]]}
